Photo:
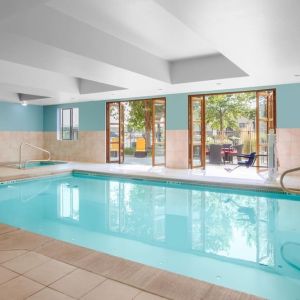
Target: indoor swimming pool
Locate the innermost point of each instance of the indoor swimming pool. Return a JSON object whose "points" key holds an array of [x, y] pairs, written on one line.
{"points": [[240, 239]]}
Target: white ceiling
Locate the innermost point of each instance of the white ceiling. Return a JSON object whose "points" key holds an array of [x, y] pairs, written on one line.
{"points": [[137, 48], [141, 23]]}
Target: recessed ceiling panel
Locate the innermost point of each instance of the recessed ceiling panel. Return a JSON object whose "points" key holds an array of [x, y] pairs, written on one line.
{"points": [[91, 87]]}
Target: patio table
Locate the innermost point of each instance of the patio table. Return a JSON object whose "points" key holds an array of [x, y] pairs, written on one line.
{"points": [[228, 154]]}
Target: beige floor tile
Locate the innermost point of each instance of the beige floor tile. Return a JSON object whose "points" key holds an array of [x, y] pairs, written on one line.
{"points": [[132, 273], [220, 293], [49, 272], [21, 240], [77, 283], [87, 259], [6, 228], [64, 252], [6, 275], [112, 290], [6, 255], [49, 294], [174, 286], [26, 262], [148, 296], [103, 263], [19, 288]]}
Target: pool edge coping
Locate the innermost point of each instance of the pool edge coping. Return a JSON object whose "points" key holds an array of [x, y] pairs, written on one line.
{"points": [[209, 183], [252, 187]]}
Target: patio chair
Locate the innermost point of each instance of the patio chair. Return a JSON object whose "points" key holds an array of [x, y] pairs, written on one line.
{"points": [[239, 150], [215, 154], [227, 146], [140, 148], [251, 158], [114, 146]]}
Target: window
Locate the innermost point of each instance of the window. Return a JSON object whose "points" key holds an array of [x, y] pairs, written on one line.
{"points": [[68, 124]]}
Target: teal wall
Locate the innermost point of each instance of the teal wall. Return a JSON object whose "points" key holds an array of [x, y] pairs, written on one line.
{"points": [[91, 115], [177, 111], [288, 106], [15, 117]]}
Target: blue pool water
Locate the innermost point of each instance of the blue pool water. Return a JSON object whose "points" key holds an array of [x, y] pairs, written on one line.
{"points": [[244, 240], [36, 164]]}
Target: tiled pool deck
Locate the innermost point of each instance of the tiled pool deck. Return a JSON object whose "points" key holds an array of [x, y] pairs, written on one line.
{"points": [[37, 267], [213, 175]]}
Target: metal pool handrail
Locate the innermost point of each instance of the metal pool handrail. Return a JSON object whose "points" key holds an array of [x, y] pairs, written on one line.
{"points": [[33, 160], [289, 190]]}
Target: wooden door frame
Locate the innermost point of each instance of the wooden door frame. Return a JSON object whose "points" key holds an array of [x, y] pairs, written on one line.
{"points": [[153, 131], [190, 132], [258, 119], [226, 93], [108, 160], [107, 129]]}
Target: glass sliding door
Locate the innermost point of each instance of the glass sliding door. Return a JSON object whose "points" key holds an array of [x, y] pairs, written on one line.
{"points": [[115, 132], [158, 132], [265, 121], [197, 151]]}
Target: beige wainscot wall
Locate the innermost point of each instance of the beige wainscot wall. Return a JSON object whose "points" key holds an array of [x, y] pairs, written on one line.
{"points": [[90, 147], [10, 142], [288, 148], [177, 149]]}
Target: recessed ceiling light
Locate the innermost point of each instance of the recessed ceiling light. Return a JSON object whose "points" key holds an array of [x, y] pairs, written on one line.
{"points": [[297, 75], [24, 103]]}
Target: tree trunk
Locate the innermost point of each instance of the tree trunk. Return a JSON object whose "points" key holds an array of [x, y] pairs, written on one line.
{"points": [[222, 126]]}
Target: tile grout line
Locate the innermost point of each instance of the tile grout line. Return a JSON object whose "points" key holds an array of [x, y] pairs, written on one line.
{"points": [[93, 287], [23, 274], [46, 287], [84, 268]]}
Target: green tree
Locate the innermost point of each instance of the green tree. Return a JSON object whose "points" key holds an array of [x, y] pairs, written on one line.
{"points": [[136, 116], [223, 111], [140, 118]]}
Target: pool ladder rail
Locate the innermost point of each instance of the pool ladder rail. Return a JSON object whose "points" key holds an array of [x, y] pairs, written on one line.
{"points": [[23, 165], [289, 190]]}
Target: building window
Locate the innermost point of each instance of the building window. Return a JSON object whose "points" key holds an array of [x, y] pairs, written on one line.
{"points": [[68, 124]]}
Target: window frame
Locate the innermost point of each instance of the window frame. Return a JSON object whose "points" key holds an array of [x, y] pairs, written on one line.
{"points": [[71, 125]]}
